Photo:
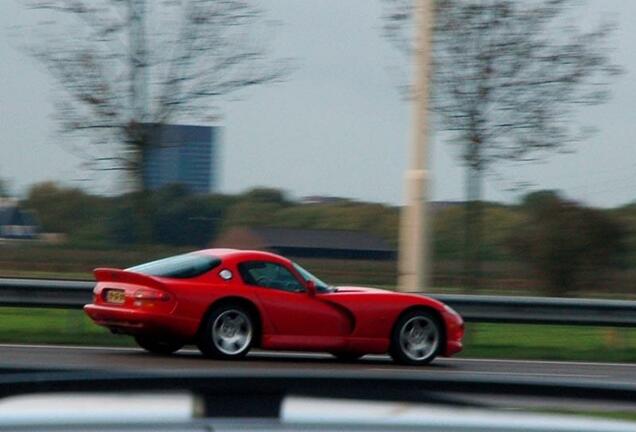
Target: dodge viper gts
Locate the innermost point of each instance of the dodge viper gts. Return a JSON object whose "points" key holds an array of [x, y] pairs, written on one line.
{"points": [[228, 301]]}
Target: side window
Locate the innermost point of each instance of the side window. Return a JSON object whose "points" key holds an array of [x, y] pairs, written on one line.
{"points": [[269, 275]]}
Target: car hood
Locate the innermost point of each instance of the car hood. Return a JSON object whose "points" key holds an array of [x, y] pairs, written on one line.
{"points": [[352, 289]]}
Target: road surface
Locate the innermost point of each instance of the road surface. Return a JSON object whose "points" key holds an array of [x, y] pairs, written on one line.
{"points": [[14, 356]]}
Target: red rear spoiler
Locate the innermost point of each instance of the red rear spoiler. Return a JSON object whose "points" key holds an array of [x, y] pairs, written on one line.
{"points": [[123, 276]]}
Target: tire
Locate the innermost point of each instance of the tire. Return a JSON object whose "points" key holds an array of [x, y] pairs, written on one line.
{"points": [[158, 346], [417, 338], [228, 332]]}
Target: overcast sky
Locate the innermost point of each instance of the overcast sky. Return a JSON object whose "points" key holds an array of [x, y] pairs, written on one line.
{"points": [[337, 126]]}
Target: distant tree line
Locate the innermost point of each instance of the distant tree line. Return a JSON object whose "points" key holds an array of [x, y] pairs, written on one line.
{"points": [[176, 217], [567, 246]]}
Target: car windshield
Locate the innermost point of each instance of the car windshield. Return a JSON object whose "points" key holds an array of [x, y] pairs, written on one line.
{"points": [[320, 285], [178, 267]]}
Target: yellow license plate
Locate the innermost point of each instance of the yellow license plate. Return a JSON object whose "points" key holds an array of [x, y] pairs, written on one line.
{"points": [[115, 296]]}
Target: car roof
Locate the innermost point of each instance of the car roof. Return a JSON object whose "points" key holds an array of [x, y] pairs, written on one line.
{"points": [[241, 254]]}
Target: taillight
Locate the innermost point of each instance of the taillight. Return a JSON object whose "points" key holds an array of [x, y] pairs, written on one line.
{"points": [[148, 297]]}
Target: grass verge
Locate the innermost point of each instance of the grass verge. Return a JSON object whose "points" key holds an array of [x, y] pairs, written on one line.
{"points": [[550, 342], [54, 326], [606, 415]]}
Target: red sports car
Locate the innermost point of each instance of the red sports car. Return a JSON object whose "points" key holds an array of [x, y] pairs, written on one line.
{"points": [[227, 301]]}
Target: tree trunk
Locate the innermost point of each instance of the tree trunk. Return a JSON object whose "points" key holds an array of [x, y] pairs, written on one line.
{"points": [[473, 229], [141, 197]]}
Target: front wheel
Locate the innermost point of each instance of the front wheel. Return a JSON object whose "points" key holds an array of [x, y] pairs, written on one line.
{"points": [[157, 345], [417, 338], [227, 333]]}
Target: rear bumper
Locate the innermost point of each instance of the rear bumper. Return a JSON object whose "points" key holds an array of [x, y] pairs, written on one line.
{"points": [[133, 322]]}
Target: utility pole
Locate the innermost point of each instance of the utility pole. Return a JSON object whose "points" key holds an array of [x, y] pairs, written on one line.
{"points": [[414, 255]]}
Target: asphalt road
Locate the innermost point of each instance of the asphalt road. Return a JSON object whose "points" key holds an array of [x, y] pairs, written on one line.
{"points": [[23, 357]]}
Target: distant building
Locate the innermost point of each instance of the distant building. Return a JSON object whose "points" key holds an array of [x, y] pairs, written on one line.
{"points": [[182, 154], [338, 244], [16, 223]]}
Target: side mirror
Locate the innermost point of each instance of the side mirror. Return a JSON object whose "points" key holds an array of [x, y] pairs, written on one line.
{"points": [[311, 288]]}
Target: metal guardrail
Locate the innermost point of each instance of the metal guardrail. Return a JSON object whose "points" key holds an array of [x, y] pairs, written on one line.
{"points": [[475, 308], [260, 400], [542, 310], [45, 293]]}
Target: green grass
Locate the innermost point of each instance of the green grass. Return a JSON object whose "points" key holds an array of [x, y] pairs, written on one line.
{"points": [[550, 342], [54, 326], [508, 341], [607, 415]]}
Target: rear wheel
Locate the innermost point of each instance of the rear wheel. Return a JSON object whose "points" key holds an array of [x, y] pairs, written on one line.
{"points": [[157, 345], [227, 333], [417, 338]]}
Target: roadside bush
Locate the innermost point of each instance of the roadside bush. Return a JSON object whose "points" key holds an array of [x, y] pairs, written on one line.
{"points": [[568, 245]]}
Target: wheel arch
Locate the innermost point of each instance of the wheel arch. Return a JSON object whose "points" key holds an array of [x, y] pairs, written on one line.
{"points": [[237, 300]]}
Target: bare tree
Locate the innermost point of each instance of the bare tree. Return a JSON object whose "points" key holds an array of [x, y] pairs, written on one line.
{"points": [[122, 65], [509, 76]]}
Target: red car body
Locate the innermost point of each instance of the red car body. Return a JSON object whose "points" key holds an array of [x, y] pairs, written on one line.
{"points": [[348, 319]]}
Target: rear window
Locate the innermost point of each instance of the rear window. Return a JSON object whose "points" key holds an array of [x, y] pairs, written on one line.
{"points": [[178, 267]]}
